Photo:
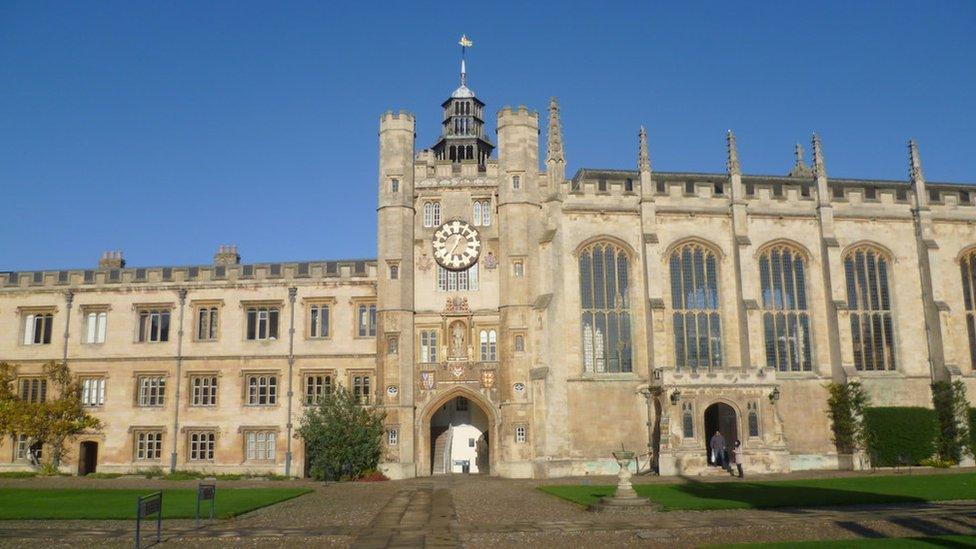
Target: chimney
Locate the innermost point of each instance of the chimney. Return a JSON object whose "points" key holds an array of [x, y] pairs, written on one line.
{"points": [[227, 255], [111, 260]]}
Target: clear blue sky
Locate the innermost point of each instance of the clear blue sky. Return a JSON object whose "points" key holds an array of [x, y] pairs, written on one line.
{"points": [[166, 128]]}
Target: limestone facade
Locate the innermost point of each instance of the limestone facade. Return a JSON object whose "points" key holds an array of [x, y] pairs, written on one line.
{"points": [[560, 374]]}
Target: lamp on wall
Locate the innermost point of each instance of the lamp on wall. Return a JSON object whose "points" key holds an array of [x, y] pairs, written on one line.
{"points": [[774, 396], [675, 396]]}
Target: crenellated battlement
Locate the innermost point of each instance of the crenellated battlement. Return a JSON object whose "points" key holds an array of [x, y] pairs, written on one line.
{"points": [[520, 116], [400, 120]]}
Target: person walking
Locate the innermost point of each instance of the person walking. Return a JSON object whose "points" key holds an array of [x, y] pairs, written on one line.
{"points": [[737, 456], [717, 446]]}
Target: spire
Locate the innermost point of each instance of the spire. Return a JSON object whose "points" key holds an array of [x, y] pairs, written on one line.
{"points": [[554, 148], [819, 170], [732, 164], [800, 169], [643, 157], [465, 43], [916, 177], [914, 163]]}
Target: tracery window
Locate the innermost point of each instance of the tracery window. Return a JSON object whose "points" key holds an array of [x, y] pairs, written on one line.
{"points": [[481, 214], [432, 214], [694, 302], [786, 321], [687, 421], [968, 268], [605, 302], [753, 419], [869, 303]]}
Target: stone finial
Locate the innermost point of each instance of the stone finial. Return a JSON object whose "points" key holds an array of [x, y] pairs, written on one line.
{"points": [[732, 164], [554, 148], [643, 157], [819, 169], [111, 260], [800, 168], [914, 163], [227, 255]]}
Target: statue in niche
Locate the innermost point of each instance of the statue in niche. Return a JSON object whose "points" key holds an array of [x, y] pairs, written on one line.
{"points": [[458, 347]]}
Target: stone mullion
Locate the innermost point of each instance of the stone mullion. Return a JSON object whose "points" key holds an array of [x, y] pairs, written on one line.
{"points": [[885, 311]]}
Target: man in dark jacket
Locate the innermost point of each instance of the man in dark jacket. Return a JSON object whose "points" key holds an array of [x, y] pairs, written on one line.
{"points": [[717, 447]]}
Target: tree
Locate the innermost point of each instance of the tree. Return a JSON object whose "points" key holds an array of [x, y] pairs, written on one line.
{"points": [[52, 422], [845, 406], [952, 408], [343, 438]]}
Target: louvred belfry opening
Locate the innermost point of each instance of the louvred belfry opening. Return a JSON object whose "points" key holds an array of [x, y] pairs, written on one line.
{"points": [[463, 136]]}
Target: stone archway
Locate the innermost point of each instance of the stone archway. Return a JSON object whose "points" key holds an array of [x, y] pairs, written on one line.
{"points": [[720, 417], [459, 426]]}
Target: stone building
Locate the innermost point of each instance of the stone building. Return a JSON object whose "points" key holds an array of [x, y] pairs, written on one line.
{"points": [[522, 324]]}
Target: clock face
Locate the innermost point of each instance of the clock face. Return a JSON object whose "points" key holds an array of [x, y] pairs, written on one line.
{"points": [[456, 245]]}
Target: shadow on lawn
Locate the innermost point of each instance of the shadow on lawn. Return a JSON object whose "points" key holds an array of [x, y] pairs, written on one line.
{"points": [[793, 499]]}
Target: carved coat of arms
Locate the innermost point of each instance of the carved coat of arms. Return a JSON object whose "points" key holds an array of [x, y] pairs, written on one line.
{"points": [[425, 262], [487, 378], [456, 305], [490, 261], [427, 380]]}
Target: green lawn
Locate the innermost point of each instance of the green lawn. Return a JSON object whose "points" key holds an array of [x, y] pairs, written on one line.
{"points": [[693, 495], [896, 543], [21, 503]]}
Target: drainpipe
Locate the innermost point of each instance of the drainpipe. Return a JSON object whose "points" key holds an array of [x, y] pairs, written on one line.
{"points": [[292, 292], [69, 298], [179, 368]]}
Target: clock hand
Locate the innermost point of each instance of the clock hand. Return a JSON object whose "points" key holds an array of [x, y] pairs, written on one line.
{"points": [[454, 250]]}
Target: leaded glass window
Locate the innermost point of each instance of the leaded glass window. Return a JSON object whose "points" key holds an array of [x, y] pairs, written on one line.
{"points": [[869, 303], [786, 321], [694, 303], [605, 302], [968, 266]]}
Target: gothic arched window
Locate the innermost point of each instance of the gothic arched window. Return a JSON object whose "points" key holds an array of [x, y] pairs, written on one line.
{"points": [[968, 267], [786, 321], [605, 301], [869, 303], [694, 302]]}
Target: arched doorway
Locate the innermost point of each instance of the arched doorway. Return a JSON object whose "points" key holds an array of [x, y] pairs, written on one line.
{"points": [[720, 417], [459, 438], [87, 457]]}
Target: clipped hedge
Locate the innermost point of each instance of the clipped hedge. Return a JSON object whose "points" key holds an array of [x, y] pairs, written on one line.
{"points": [[895, 432]]}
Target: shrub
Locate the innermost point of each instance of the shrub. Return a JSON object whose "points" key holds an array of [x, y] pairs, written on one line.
{"points": [[938, 463], [343, 438], [229, 476], [951, 407], [972, 431], [845, 406], [373, 476], [48, 469], [894, 433]]}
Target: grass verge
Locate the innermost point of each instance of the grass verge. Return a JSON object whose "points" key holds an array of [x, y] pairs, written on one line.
{"points": [[691, 495], [29, 504]]}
